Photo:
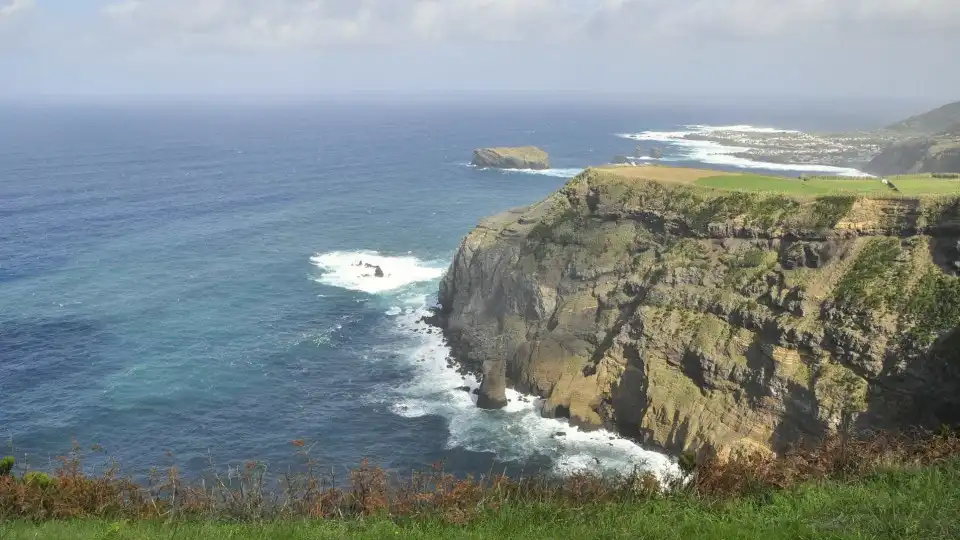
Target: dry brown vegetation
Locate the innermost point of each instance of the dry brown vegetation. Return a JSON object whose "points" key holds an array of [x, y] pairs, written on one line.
{"points": [[250, 493]]}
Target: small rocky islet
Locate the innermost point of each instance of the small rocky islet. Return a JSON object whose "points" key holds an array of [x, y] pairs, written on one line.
{"points": [[518, 157]]}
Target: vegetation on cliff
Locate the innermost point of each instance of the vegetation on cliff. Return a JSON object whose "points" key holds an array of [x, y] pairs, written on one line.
{"points": [[694, 309]]}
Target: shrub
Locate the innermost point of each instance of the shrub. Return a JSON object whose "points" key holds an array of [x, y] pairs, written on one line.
{"points": [[38, 479], [687, 462], [6, 465]]}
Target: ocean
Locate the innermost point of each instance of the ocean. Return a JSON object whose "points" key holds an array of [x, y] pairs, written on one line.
{"points": [[178, 280]]}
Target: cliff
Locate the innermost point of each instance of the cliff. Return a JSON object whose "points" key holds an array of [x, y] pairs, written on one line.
{"points": [[685, 316], [935, 154], [522, 157]]}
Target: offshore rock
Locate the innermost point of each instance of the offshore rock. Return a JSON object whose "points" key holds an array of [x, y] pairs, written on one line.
{"points": [[521, 157]]}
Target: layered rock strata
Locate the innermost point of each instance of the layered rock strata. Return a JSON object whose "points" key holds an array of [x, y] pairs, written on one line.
{"points": [[688, 317]]}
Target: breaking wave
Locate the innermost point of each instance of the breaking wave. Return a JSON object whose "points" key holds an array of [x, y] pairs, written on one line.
{"points": [[350, 270], [568, 172], [516, 433]]}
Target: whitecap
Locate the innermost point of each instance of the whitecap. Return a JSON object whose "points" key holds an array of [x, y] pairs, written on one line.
{"points": [[348, 270], [558, 173], [568, 172], [393, 311]]}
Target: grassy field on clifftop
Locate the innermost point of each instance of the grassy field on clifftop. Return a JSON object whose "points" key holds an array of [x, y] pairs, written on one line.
{"points": [[922, 504], [908, 185]]}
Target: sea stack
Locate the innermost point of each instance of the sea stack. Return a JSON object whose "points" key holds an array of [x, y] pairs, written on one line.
{"points": [[521, 157], [493, 388]]}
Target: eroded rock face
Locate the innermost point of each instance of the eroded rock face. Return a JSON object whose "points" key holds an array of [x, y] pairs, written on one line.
{"points": [[688, 318], [521, 157]]}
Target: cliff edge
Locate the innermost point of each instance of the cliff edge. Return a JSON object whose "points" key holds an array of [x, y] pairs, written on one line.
{"points": [[687, 316], [522, 157]]}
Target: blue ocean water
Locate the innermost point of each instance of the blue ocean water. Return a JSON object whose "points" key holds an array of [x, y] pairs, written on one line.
{"points": [[181, 277]]}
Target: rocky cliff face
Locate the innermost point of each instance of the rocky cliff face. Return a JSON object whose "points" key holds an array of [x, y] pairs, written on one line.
{"points": [[686, 317], [522, 157]]}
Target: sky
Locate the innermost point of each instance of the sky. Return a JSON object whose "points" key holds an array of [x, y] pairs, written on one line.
{"points": [[815, 48]]}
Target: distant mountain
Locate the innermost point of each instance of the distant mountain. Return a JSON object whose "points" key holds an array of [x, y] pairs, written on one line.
{"points": [[926, 143], [939, 120], [934, 154]]}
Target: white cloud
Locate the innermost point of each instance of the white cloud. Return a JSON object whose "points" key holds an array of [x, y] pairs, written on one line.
{"points": [[311, 23], [15, 6], [804, 45]]}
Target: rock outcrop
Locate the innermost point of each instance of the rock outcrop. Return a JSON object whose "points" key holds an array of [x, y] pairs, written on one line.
{"points": [[689, 318], [522, 157], [493, 388]]}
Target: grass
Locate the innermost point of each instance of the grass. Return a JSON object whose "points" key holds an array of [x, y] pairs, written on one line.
{"points": [[922, 503], [817, 186], [813, 186]]}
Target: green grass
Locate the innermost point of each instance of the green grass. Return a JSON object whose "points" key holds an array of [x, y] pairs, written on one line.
{"points": [[905, 504], [816, 186]]}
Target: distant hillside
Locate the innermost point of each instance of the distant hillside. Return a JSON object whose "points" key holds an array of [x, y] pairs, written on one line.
{"points": [[925, 143], [939, 120], [936, 154]]}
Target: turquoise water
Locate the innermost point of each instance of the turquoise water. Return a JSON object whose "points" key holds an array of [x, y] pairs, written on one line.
{"points": [[180, 278]]}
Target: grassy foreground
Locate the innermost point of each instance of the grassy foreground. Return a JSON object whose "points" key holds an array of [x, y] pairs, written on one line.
{"points": [[922, 503]]}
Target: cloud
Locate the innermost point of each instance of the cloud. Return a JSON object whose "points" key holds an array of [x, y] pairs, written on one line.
{"points": [[800, 45], [312, 23], [15, 6]]}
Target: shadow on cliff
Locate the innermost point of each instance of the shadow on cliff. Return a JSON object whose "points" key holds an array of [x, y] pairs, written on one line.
{"points": [[799, 424], [945, 252], [924, 392]]}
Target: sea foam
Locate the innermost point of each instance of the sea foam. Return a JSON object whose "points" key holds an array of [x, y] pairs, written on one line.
{"points": [[515, 433], [348, 270], [569, 172]]}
